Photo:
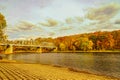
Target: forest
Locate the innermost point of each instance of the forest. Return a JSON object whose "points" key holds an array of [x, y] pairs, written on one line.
{"points": [[100, 40]]}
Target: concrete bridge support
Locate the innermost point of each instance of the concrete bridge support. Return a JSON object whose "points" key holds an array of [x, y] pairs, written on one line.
{"points": [[39, 49], [9, 51]]}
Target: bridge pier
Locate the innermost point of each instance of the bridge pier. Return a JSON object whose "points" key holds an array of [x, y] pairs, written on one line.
{"points": [[39, 49], [9, 51]]}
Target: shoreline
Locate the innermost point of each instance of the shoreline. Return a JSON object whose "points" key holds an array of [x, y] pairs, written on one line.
{"points": [[80, 71], [67, 52], [86, 51], [57, 71], [53, 72]]}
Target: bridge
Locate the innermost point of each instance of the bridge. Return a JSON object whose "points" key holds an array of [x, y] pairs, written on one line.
{"points": [[9, 48]]}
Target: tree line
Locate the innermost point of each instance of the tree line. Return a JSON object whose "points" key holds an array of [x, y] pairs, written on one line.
{"points": [[88, 41]]}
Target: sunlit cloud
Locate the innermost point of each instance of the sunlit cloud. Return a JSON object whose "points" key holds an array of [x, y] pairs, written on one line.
{"points": [[103, 13], [2, 7], [79, 19], [106, 26], [51, 33], [24, 25], [66, 28], [69, 20], [74, 20], [49, 23], [117, 21], [11, 30], [43, 24]]}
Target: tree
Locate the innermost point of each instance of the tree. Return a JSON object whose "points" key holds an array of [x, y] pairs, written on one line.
{"points": [[90, 45], [94, 40], [83, 43], [2, 27], [86, 44], [62, 47], [116, 37]]}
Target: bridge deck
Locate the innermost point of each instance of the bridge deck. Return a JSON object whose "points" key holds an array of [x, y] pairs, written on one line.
{"points": [[29, 45]]}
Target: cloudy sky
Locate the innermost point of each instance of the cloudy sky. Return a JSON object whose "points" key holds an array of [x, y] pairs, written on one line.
{"points": [[53, 18]]}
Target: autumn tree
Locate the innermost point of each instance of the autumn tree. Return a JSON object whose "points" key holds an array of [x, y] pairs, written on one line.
{"points": [[116, 37], [2, 27], [94, 40], [102, 40], [83, 43], [62, 47], [86, 44]]}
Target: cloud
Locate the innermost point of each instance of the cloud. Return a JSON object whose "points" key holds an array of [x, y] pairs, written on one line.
{"points": [[74, 20], [11, 29], [79, 19], [106, 26], [50, 23], [69, 20], [15, 30], [43, 23], [117, 21], [66, 28], [2, 7], [24, 25], [103, 13], [51, 33]]}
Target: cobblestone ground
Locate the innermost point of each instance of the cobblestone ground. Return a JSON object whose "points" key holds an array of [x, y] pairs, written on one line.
{"points": [[21, 71]]}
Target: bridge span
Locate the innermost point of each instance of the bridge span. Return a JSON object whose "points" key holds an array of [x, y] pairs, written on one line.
{"points": [[9, 49]]}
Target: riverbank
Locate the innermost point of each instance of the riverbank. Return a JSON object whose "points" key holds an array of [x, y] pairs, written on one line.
{"points": [[99, 51], [106, 51], [51, 72], [58, 73]]}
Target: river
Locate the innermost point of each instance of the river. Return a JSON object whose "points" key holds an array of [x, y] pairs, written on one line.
{"points": [[97, 63]]}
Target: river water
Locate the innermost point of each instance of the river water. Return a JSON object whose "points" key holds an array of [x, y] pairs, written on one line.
{"points": [[98, 63]]}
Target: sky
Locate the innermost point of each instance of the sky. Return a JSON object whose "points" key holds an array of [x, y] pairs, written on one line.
{"points": [[28, 19]]}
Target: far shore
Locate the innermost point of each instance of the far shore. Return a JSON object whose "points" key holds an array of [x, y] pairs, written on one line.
{"points": [[96, 51], [87, 51]]}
